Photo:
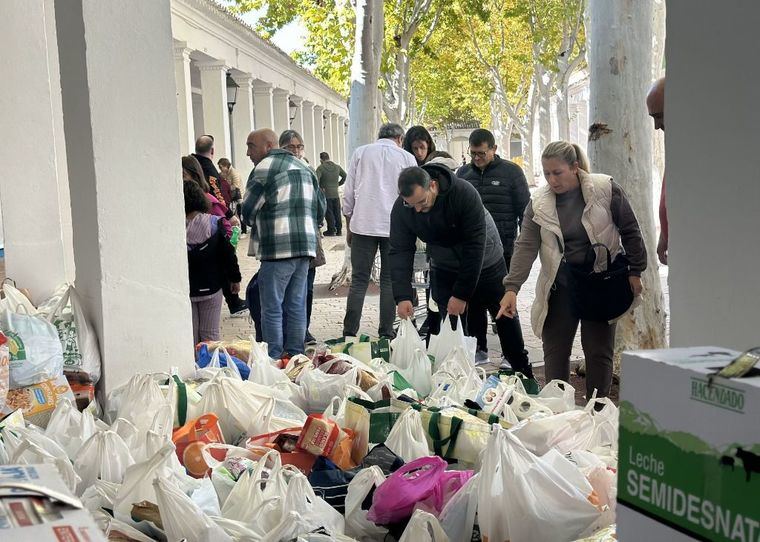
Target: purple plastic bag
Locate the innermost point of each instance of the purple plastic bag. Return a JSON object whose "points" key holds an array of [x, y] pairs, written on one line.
{"points": [[422, 483]]}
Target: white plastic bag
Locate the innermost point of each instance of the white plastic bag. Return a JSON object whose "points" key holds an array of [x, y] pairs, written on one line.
{"points": [[565, 432], [28, 445], [423, 527], [317, 388], [407, 437], [605, 423], [35, 350], [100, 494], [312, 512], [181, 517], [405, 344], [458, 516], [557, 395], [79, 342], [449, 338], [419, 373], [69, 427], [266, 374], [522, 497], [138, 483], [15, 301], [105, 456], [231, 369], [357, 524], [525, 406]]}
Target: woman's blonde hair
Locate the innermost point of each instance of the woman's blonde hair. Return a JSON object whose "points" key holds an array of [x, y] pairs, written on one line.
{"points": [[568, 153]]}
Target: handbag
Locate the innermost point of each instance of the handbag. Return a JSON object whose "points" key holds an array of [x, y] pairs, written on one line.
{"points": [[601, 296]]}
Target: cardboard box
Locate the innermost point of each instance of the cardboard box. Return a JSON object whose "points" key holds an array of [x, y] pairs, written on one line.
{"points": [[689, 448], [36, 506]]}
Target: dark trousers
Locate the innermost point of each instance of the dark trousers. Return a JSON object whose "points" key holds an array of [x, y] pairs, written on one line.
{"points": [[233, 300], [488, 294], [597, 340], [333, 216], [478, 321], [363, 251]]}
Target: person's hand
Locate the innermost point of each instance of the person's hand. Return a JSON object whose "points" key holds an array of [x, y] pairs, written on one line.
{"points": [[235, 221], [456, 306], [235, 287], [636, 286], [508, 305], [348, 237], [662, 250], [405, 309]]}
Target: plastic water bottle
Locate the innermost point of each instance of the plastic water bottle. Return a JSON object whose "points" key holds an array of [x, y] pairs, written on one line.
{"points": [[235, 236]]}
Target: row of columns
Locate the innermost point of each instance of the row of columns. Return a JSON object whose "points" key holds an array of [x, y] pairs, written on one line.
{"points": [[259, 104]]}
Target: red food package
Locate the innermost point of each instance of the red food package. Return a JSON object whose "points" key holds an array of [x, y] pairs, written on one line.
{"points": [[319, 435]]}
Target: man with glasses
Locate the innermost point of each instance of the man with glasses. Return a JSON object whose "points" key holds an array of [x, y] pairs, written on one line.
{"points": [[504, 191], [370, 191], [466, 256]]}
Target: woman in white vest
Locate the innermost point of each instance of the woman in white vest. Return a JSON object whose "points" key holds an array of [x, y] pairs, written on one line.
{"points": [[562, 221]]}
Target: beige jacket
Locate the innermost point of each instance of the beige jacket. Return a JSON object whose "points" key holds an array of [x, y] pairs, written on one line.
{"points": [[597, 221]]}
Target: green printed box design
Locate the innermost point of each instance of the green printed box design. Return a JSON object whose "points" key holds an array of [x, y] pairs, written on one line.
{"points": [[676, 477]]}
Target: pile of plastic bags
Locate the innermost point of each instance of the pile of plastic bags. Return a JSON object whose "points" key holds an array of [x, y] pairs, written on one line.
{"points": [[365, 440]]}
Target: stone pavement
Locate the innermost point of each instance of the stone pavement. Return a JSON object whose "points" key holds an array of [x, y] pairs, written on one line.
{"points": [[329, 307]]}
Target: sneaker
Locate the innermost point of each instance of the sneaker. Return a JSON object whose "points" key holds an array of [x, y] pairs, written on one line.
{"points": [[310, 338], [239, 311], [504, 364], [481, 357]]}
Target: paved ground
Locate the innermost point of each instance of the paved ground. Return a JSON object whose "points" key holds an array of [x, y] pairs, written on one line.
{"points": [[329, 307]]}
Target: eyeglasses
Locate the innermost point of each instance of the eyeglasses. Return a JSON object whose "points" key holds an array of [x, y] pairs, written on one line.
{"points": [[419, 203], [478, 154]]}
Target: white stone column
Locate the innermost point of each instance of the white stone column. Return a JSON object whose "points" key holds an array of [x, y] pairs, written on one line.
{"points": [[297, 122], [328, 137], [242, 124], [319, 132], [281, 110], [34, 184], [120, 119], [216, 116], [184, 97], [262, 105], [335, 137], [308, 132], [344, 143]]}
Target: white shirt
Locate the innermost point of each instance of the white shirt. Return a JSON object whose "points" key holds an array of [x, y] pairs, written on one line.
{"points": [[371, 186]]}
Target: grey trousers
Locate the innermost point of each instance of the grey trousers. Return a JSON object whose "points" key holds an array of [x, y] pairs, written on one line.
{"points": [[207, 315], [597, 340], [363, 251]]}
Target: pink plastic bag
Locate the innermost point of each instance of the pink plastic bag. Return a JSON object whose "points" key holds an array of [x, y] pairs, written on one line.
{"points": [[423, 483]]}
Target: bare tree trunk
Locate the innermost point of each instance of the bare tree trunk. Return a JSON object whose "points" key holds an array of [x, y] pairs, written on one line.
{"points": [[658, 53], [620, 140], [364, 115], [544, 107], [497, 125], [365, 102], [563, 113]]}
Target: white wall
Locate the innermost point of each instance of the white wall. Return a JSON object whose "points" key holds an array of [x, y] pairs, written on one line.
{"points": [[713, 177]]}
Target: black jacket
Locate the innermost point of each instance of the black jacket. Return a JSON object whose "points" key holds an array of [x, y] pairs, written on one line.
{"points": [[504, 191], [209, 170], [212, 264], [459, 233]]}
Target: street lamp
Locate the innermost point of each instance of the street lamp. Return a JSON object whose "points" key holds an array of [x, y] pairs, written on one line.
{"points": [[232, 88], [293, 111]]}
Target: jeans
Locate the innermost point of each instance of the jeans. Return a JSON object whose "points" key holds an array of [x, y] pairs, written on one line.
{"points": [[488, 293], [363, 250], [282, 291], [333, 216]]}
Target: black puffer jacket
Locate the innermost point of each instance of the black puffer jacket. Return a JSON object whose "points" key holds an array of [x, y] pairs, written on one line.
{"points": [[459, 234], [504, 191]]}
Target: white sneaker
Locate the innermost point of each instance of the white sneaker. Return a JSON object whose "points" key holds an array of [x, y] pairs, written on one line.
{"points": [[481, 357]]}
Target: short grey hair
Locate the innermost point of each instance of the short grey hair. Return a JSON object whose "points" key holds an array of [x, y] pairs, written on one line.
{"points": [[287, 135], [390, 130]]}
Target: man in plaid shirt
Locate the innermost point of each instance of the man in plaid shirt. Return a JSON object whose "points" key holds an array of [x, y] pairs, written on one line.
{"points": [[284, 206]]}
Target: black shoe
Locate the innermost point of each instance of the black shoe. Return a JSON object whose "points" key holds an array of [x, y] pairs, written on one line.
{"points": [[309, 338], [238, 310], [329, 234]]}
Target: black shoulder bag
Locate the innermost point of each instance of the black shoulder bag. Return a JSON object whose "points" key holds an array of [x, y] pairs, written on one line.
{"points": [[602, 296]]}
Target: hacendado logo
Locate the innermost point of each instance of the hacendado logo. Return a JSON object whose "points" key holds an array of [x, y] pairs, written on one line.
{"points": [[717, 395]]}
